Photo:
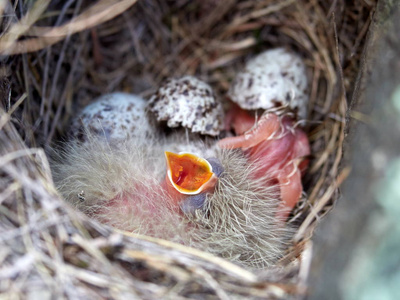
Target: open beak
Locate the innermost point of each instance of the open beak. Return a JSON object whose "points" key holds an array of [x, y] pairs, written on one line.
{"points": [[189, 174]]}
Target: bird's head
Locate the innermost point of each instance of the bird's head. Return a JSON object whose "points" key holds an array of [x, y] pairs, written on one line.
{"points": [[189, 179]]}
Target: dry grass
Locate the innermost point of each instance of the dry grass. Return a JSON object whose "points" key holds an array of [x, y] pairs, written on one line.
{"points": [[49, 249]]}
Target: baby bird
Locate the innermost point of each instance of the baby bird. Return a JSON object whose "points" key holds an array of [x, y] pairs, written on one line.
{"points": [[277, 147], [120, 168]]}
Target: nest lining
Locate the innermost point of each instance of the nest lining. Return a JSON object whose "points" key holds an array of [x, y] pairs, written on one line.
{"points": [[63, 252]]}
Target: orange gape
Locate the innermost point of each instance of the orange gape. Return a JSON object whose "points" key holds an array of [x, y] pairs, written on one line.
{"points": [[277, 147], [188, 172]]}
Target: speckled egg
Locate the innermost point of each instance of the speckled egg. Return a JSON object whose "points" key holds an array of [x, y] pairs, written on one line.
{"points": [[274, 78], [114, 117], [190, 103]]}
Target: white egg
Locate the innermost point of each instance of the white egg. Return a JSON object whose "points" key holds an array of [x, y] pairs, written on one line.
{"points": [[274, 78], [113, 117], [190, 103]]}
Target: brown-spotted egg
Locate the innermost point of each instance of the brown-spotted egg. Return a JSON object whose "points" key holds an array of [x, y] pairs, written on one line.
{"points": [[274, 78], [190, 103], [114, 117]]}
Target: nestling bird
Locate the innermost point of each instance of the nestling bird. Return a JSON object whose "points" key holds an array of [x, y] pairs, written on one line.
{"points": [[120, 168], [277, 147]]}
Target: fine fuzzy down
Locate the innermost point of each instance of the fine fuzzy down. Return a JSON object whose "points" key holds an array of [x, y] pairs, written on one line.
{"points": [[121, 186]]}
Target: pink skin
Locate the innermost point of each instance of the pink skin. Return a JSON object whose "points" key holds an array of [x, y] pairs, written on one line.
{"points": [[129, 204], [275, 144]]}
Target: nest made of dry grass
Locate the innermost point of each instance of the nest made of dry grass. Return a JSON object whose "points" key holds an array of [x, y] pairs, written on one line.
{"points": [[48, 72]]}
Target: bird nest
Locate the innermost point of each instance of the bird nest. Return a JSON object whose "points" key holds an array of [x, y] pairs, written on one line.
{"points": [[57, 56]]}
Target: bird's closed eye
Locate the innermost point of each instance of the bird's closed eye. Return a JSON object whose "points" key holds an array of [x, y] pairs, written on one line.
{"points": [[191, 203]]}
